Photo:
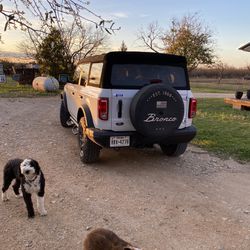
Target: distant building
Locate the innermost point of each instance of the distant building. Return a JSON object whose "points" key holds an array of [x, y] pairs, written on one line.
{"points": [[26, 73], [32, 66]]}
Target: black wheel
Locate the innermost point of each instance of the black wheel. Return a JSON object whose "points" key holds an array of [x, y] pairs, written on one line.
{"points": [[89, 151], [174, 149], [156, 110], [64, 115]]}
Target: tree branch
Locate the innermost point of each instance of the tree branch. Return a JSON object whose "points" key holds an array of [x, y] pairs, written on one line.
{"points": [[54, 13]]}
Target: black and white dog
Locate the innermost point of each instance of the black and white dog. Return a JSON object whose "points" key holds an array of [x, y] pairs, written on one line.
{"points": [[29, 175]]}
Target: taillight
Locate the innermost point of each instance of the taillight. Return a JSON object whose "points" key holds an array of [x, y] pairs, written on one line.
{"points": [[192, 108], [103, 109]]}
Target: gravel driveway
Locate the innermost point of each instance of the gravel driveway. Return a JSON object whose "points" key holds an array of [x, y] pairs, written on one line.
{"points": [[197, 201]]}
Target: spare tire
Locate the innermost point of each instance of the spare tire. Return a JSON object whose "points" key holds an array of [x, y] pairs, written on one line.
{"points": [[156, 110]]}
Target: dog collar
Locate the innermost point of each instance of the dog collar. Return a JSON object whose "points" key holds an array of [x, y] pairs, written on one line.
{"points": [[30, 181]]}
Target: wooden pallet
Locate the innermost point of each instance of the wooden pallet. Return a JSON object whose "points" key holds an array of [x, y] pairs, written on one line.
{"points": [[241, 104]]}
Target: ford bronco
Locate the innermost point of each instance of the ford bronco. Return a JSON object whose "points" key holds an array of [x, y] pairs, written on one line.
{"points": [[129, 99]]}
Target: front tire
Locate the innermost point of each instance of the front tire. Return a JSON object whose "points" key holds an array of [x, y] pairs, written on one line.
{"points": [[89, 151], [64, 115], [174, 149]]}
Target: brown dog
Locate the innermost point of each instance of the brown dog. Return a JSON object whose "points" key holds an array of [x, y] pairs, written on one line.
{"points": [[104, 239]]}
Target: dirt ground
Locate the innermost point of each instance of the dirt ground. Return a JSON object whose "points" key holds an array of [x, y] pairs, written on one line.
{"points": [[197, 201]]}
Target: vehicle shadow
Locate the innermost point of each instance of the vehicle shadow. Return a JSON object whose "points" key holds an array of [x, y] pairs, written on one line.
{"points": [[134, 159]]}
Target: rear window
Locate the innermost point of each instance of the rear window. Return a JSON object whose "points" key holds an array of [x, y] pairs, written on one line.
{"points": [[138, 75]]}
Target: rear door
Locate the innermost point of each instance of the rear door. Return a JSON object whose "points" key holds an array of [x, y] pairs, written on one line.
{"points": [[93, 93]]}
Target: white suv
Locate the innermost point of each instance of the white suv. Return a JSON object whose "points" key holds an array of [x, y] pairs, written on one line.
{"points": [[129, 99]]}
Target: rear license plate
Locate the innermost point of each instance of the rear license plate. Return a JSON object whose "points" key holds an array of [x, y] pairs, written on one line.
{"points": [[119, 141]]}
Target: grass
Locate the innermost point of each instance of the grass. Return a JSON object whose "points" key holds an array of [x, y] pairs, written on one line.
{"points": [[13, 89], [222, 130], [212, 85], [207, 89]]}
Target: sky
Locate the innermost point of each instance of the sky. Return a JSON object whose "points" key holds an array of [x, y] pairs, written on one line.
{"points": [[228, 20]]}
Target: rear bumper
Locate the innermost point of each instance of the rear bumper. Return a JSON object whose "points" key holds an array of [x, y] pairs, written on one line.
{"points": [[102, 137]]}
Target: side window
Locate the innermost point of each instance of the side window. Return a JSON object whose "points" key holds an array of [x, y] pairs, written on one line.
{"points": [[81, 74], [95, 74]]}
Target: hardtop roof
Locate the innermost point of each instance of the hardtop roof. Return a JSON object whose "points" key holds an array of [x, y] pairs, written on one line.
{"points": [[135, 57]]}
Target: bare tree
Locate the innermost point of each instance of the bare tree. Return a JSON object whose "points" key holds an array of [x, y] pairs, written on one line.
{"points": [[248, 67], [51, 13], [79, 42], [60, 50], [187, 37], [151, 37], [220, 67], [190, 38]]}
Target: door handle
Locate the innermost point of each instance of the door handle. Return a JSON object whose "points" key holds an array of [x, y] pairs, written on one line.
{"points": [[119, 108]]}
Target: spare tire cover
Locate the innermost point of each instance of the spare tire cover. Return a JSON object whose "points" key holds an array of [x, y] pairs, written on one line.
{"points": [[156, 110]]}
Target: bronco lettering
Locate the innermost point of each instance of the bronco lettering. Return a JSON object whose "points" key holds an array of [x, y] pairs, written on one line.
{"points": [[153, 118]]}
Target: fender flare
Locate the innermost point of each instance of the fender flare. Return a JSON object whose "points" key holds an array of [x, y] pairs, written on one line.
{"points": [[64, 98], [85, 111]]}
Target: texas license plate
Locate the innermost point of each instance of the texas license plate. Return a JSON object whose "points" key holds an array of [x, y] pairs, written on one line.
{"points": [[119, 141]]}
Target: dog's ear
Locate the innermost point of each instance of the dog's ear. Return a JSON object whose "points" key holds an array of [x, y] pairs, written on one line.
{"points": [[36, 166]]}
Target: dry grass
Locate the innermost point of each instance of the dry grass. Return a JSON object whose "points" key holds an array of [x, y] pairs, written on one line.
{"points": [[225, 86]]}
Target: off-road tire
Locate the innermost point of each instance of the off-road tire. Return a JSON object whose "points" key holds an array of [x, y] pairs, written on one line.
{"points": [[64, 115], [89, 151], [174, 149]]}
